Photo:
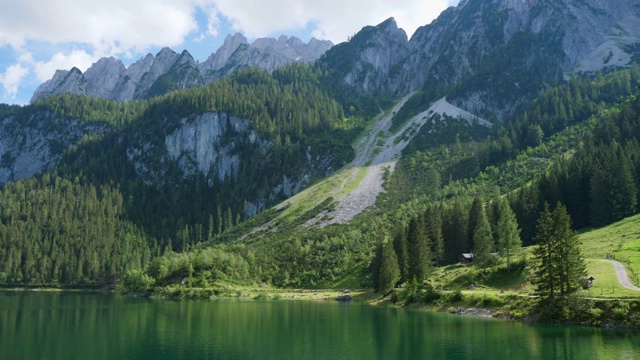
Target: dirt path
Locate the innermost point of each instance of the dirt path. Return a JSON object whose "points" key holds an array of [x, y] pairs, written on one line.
{"points": [[621, 273]]}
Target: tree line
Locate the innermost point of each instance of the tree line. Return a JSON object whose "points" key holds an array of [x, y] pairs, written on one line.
{"points": [[440, 236], [58, 231]]}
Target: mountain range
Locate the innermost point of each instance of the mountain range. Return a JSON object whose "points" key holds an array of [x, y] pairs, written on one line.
{"points": [[168, 71], [195, 155], [534, 42], [489, 56]]}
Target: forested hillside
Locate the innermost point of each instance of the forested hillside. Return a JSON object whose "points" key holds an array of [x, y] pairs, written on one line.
{"points": [[576, 144], [302, 130], [183, 185], [451, 183]]}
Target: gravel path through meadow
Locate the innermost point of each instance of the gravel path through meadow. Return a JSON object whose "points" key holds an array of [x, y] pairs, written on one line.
{"points": [[621, 273]]}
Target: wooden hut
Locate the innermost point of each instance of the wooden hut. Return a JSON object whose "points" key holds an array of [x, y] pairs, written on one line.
{"points": [[466, 258], [587, 282]]}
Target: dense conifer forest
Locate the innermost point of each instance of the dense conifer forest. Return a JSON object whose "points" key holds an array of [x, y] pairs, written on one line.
{"points": [[459, 187]]}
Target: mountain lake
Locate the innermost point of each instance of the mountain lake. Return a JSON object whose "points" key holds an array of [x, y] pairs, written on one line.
{"points": [[79, 325]]}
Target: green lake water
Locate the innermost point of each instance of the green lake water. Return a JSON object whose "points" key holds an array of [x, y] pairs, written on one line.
{"points": [[69, 325]]}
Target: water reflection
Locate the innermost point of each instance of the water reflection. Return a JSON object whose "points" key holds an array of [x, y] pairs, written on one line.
{"points": [[37, 325]]}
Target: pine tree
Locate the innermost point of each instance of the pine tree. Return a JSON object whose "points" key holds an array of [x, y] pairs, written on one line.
{"points": [[374, 267], [402, 251], [419, 254], [482, 242], [507, 231], [218, 220], [434, 233], [571, 266], [455, 234], [228, 219], [559, 263], [546, 277], [600, 206], [474, 216], [210, 228], [389, 272]]}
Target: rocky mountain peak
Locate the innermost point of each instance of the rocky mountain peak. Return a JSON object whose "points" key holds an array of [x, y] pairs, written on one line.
{"points": [[103, 76], [63, 81], [390, 23], [366, 60], [218, 59], [539, 41], [168, 70]]}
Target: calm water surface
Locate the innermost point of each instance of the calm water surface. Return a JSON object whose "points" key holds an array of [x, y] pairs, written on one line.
{"points": [[43, 325]]}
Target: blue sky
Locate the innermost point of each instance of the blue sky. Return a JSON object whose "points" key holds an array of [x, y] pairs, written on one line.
{"points": [[38, 37]]}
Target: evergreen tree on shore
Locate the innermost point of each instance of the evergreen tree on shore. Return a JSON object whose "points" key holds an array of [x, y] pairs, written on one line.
{"points": [[402, 252], [482, 241], [507, 231], [559, 263], [419, 250], [389, 272]]}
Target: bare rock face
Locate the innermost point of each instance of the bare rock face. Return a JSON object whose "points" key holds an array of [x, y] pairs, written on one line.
{"points": [[265, 53], [214, 147], [139, 68], [103, 77], [168, 71], [35, 143], [160, 65], [512, 48], [368, 60], [63, 82], [217, 60]]}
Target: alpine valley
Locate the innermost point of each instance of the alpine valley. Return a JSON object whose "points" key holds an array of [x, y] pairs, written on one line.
{"points": [[372, 163]]}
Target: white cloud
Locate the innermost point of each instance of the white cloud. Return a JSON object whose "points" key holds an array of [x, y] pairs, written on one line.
{"points": [[77, 58], [12, 77], [334, 19], [121, 24], [213, 21], [125, 25], [130, 28]]}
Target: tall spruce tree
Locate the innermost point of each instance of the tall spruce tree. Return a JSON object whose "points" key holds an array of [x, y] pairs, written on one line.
{"points": [[455, 232], [571, 266], [402, 251], [419, 254], [482, 241], [559, 263], [389, 272], [474, 219], [374, 266], [507, 231], [433, 219], [546, 276]]}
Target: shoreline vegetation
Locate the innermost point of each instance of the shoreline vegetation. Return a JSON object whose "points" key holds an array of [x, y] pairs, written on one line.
{"points": [[463, 289], [489, 211], [576, 310]]}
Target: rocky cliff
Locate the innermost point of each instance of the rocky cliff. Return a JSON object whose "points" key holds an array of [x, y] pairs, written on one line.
{"points": [[32, 143], [222, 149], [495, 53], [168, 71]]}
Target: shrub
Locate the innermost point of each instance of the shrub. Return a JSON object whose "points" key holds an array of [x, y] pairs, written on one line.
{"points": [[136, 281], [621, 311], [595, 316], [455, 296], [431, 294]]}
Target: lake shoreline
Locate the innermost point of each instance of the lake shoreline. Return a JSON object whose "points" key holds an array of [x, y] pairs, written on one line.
{"points": [[469, 305], [97, 326]]}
